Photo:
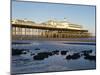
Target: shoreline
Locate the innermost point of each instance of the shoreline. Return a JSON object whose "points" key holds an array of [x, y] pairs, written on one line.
{"points": [[69, 40]]}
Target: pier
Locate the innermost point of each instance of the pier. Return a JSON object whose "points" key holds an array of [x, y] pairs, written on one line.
{"points": [[29, 30]]}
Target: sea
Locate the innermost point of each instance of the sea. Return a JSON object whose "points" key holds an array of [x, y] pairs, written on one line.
{"points": [[25, 63]]}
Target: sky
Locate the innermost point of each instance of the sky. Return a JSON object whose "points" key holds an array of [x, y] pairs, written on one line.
{"points": [[41, 12]]}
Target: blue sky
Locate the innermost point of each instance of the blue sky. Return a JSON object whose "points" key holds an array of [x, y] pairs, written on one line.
{"points": [[40, 12]]}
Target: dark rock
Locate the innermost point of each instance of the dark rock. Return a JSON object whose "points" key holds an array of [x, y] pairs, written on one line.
{"points": [[74, 56], [69, 57], [17, 51], [87, 55], [55, 52], [45, 53], [37, 48], [86, 52], [32, 54], [24, 53], [63, 52], [38, 57], [27, 50], [42, 55], [90, 57]]}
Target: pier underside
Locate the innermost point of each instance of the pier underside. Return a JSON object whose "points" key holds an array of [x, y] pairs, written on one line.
{"points": [[25, 32]]}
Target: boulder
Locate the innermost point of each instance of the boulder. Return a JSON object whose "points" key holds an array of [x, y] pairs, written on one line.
{"points": [[45, 54], [17, 51], [32, 54], [42, 55], [69, 57], [74, 56], [63, 52], [86, 52], [37, 48], [55, 52], [38, 57], [90, 57]]}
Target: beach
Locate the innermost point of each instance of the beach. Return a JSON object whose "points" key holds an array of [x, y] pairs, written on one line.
{"points": [[59, 56]]}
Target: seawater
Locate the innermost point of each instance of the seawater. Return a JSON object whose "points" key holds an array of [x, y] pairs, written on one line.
{"points": [[26, 64]]}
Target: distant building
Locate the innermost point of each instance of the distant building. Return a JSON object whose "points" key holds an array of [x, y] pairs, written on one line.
{"points": [[24, 29]]}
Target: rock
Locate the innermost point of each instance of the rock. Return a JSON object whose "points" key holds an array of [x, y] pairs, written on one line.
{"points": [[24, 52], [32, 54], [68, 57], [17, 51], [45, 54], [86, 52], [42, 55], [37, 48], [63, 52], [90, 57], [55, 52], [74, 56], [38, 57]]}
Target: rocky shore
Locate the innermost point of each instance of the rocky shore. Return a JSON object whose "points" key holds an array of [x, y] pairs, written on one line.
{"points": [[69, 55]]}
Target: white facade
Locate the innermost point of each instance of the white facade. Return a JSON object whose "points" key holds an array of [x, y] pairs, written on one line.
{"points": [[22, 22], [63, 24], [50, 23]]}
